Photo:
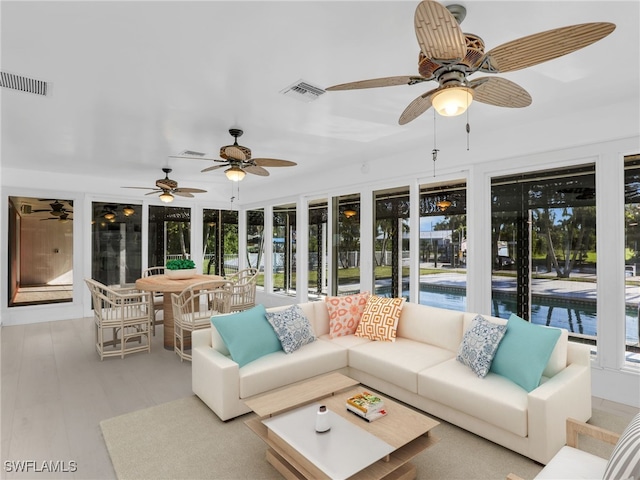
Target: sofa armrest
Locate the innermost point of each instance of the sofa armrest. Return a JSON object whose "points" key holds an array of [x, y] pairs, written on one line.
{"points": [[565, 395], [215, 378], [576, 428], [201, 338]]}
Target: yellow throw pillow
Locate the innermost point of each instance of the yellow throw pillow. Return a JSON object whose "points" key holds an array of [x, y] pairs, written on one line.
{"points": [[345, 313], [380, 318]]}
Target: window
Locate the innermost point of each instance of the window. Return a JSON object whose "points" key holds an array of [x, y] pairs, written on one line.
{"points": [[255, 242], [220, 242], [169, 234], [391, 243], [544, 249], [632, 255], [284, 249], [116, 253], [40, 256], [346, 245], [318, 254], [443, 246]]}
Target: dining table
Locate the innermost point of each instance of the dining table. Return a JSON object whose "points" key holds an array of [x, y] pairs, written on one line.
{"points": [[166, 285]]}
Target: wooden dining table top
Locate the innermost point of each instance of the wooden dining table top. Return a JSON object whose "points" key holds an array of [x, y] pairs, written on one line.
{"points": [[162, 283]]}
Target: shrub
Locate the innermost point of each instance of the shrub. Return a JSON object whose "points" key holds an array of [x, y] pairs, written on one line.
{"points": [[180, 264]]}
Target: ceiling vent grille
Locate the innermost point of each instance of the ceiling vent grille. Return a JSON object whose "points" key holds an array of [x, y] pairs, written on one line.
{"points": [[304, 91], [24, 84]]}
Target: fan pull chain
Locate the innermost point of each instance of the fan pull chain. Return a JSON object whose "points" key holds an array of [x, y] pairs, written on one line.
{"points": [[434, 152], [468, 128]]}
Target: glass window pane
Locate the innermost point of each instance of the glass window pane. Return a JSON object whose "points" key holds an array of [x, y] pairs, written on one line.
{"points": [[632, 257], [443, 246], [255, 242], [116, 246], [318, 254], [169, 234], [284, 249], [40, 253], [220, 242], [391, 243], [346, 245], [544, 249]]}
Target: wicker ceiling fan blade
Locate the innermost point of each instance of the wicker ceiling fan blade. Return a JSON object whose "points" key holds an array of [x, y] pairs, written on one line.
{"points": [[181, 193], [273, 162], [378, 82], [193, 157], [214, 167], [438, 33], [417, 107], [188, 190], [256, 170], [544, 46], [500, 92], [154, 192], [144, 188]]}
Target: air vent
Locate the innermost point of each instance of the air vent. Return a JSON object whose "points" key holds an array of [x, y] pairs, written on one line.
{"points": [[24, 84], [191, 153], [302, 90]]}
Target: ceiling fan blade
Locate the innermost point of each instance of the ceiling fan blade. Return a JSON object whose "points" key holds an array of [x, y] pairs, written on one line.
{"points": [[500, 92], [438, 33], [417, 107], [214, 167], [154, 192], [181, 193], [541, 47], [378, 82], [188, 190], [143, 188], [256, 170], [273, 162], [193, 157]]}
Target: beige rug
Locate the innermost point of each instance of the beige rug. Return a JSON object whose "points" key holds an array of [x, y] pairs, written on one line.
{"points": [[184, 439]]}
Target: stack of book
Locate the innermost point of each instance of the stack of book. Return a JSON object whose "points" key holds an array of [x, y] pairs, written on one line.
{"points": [[366, 405]]}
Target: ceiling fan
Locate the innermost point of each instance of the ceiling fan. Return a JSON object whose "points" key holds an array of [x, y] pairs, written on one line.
{"points": [[64, 217], [449, 56], [238, 159], [57, 209], [167, 188]]}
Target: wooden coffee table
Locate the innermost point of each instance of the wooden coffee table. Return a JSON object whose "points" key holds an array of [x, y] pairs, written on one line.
{"points": [[285, 422]]}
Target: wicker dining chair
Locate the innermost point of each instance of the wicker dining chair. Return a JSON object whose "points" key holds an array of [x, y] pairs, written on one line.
{"points": [[126, 314], [193, 309], [157, 298], [243, 289]]}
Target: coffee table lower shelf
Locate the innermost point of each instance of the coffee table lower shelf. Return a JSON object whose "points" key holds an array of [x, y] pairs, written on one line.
{"points": [[293, 466]]}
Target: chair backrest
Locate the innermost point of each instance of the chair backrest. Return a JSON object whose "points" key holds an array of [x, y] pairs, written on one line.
{"points": [[200, 301], [243, 296], [247, 275], [153, 271], [109, 303]]}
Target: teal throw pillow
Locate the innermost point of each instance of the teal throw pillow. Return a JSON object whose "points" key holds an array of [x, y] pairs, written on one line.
{"points": [[248, 335], [292, 328], [524, 352], [479, 345]]}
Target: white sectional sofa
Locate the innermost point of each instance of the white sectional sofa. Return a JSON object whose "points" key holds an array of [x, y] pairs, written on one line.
{"points": [[419, 368]]}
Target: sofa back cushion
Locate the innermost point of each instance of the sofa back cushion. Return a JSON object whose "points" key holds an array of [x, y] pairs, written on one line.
{"points": [[432, 325]]}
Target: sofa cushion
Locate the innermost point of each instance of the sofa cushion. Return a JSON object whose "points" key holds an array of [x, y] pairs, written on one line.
{"points": [[279, 369], [479, 344], [572, 462], [248, 335], [524, 352], [346, 341], [397, 362], [292, 328], [432, 325], [494, 399], [380, 318], [345, 313], [624, 461]]}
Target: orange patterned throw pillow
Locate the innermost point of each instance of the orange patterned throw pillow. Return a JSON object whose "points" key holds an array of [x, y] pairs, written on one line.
{"points": [[345, 313], [380, 318]]}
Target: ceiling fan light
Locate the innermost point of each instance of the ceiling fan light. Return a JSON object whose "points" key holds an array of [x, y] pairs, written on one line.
{"points": [[128, 211], [109, 215], [350, 213], [235, 173], [443, 205], [452, 101], [166, 197]]}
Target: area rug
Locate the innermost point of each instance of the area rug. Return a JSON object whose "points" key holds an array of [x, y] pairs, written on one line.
{"points": [[184, 439]]}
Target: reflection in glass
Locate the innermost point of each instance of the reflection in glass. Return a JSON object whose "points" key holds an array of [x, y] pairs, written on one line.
{"points": [[40, 256], [632, 254]]}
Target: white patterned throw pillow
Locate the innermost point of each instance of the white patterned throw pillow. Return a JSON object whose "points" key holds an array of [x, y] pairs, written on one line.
{"points": [[292, 328], [479, 345]]}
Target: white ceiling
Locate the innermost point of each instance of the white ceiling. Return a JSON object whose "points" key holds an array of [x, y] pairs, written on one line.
{"points": [[133, 83]]}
